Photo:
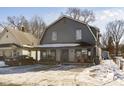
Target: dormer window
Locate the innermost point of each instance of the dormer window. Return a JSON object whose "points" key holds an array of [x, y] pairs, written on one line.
{"points": [[78, 34], [54, 36]]}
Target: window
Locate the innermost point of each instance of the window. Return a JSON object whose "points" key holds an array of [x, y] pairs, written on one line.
{"points": [[81, 55], [89, 52], [54, 36], [48, 54], [78, 52], [52, 54], [44, 54], [78, 34]]}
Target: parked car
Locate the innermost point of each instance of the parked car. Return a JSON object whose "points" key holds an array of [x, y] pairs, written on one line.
{"points": [[105, 55], [20, 60]]}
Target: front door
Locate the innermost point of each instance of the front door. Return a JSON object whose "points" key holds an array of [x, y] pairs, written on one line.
{"points": [[64, 55]]}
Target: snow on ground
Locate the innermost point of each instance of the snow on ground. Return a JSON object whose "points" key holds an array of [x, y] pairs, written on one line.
{"points": [[50, 76], [102, 74], [107, 73]]}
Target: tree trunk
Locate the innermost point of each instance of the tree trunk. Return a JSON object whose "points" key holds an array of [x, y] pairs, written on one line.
{"points": [[117, 48]]}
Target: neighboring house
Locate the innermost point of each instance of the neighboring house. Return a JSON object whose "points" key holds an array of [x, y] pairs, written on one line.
{"points": [[13, 43], [69, 41]]}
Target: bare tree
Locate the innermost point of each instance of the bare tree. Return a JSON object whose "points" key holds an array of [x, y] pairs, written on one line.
{"points": [[110, 46], [3, 26], [85, 15], [74, 13], [19, 22], [104, 39], [13, 21], [116, 31], [37, 26]]}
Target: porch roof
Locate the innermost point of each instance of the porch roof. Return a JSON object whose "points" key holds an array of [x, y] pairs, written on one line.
{"points": [[9, 45], [58, 45]]}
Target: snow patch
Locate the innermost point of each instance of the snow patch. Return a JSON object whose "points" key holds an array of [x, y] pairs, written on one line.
{"points": [[107, 73], [101, 74]]}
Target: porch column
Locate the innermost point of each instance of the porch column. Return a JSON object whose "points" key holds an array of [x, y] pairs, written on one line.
{"points": [[71, 55], [96, 55], [58, 54], [40, 54], [29, 52], [36, 55]]}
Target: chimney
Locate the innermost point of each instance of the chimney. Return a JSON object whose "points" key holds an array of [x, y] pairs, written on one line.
{"points": [[23, 28]]}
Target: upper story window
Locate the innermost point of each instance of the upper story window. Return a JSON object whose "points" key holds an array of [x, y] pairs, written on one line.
{"points": [[54, 36], [78, 34]]}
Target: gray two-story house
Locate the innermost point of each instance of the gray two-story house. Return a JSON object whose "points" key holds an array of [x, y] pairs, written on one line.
{"points": [[69, 41]]}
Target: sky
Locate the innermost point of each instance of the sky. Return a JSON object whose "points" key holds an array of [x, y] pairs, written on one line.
{"points": [[50, 14]]}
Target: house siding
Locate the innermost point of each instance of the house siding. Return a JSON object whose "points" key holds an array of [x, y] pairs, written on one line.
{"points": [[66, 32], [58, 54], [8, 38], [71, 55]]}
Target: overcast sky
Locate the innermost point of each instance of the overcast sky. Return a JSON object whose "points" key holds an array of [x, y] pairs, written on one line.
{"points": [[103, 15]]}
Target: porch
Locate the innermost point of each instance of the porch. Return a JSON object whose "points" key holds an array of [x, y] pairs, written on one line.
{"points": [[66, 56], [9, 50], [63, 53], [58, 53]]}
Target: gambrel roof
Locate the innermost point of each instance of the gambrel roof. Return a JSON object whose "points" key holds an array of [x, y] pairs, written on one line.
{"points": [[91, 29]]}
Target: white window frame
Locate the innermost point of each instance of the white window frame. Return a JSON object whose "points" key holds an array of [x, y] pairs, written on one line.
{"points": [[54, 36], [78, 34]]}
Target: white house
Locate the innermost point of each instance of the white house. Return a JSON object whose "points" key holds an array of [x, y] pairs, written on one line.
{"points": [[13, 43]]}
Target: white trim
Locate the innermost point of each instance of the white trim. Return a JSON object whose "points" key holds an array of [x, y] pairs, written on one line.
{"points": [[27, 46], [58, 45], [6, 48], [92, 33]]}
